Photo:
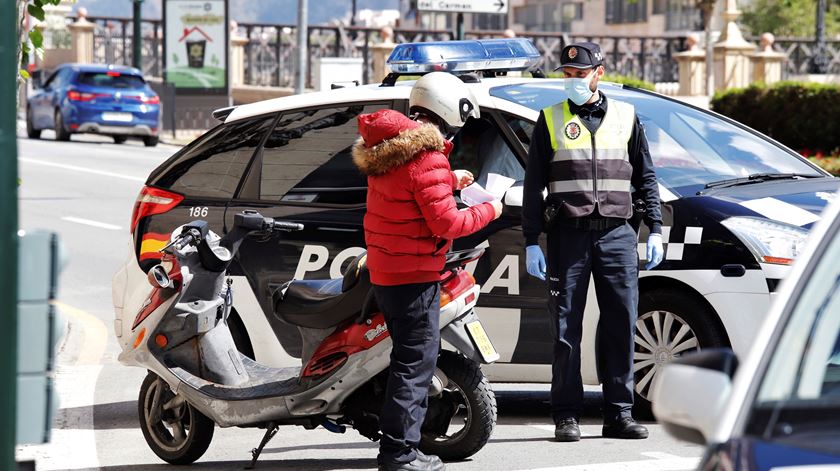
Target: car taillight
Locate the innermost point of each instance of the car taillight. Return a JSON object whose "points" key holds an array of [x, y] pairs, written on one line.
{"points": [[151, 100], [456, 285], [74, 95], [153, 201]]}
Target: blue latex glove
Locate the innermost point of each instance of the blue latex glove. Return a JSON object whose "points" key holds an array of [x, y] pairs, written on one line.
{"points": [[535, 261], [655, 252]]}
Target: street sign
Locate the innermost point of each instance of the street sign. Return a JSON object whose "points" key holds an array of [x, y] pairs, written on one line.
{"points": [[464, 6]]}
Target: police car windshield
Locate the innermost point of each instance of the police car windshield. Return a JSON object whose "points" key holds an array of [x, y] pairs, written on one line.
{"points": [[690, 148]]}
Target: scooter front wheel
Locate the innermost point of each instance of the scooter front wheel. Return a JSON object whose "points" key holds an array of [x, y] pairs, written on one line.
{"points": [[174, 430], [461, 418]]}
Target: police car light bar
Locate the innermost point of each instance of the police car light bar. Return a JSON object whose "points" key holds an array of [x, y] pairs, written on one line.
{"points": [[464, 56]]}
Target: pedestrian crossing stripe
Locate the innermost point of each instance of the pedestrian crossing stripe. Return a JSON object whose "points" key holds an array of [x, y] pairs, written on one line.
{"points": [[674, 250]]}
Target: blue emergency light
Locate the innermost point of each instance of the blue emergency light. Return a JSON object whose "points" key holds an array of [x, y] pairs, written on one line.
{"points": [[464, 56]]}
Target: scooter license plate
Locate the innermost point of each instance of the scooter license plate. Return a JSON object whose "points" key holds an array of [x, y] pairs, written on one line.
{"points": [[482, 341]]}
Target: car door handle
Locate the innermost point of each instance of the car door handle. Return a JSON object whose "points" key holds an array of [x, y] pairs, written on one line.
{"points": [[336, 229]]}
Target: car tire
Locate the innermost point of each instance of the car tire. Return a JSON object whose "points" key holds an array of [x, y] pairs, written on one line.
{"points": [[119, 139], [467, 399], [61, 132], [151, 141], [31, 132], [670, 324], [195, 429]]}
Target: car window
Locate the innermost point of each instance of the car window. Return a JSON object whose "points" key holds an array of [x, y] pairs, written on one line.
{"points": [[214, 164], [307, 157], [802, 380], [522, 128], [54, 80], [689, 147], [111, 80], [480, 148]]}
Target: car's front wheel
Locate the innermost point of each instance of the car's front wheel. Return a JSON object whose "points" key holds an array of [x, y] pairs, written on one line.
{"points": [[61, 132], [670, 324], [31, 132]]}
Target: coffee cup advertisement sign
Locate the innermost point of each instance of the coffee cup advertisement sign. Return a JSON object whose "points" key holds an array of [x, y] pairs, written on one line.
{"points": [[196, 44]]}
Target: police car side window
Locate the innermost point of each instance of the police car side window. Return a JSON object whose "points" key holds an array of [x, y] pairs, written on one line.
{"points": [[214, 165], [307, 157], [481, 149]]}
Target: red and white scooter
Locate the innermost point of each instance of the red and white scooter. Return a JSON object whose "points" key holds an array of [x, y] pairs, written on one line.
{"points": [[197, 379]]}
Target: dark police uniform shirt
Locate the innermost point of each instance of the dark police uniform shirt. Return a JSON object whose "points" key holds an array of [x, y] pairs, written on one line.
{"points": [[540, 153]]}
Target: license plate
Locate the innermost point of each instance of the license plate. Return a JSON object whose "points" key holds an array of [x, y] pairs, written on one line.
{"points": [[119, 117], [482, 341]]}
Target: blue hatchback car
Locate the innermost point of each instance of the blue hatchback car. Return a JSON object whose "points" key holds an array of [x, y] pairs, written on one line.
{"points": [[102, 99]]}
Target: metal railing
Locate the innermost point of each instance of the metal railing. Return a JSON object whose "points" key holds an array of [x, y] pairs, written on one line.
{"points": [[271, 50]]}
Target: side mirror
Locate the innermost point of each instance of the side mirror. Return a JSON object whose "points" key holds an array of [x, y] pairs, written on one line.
{"points": [[690, 393], [513, 201]]}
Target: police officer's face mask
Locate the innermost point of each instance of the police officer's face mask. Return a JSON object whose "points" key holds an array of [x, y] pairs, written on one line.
{"points": [[580, 90]]}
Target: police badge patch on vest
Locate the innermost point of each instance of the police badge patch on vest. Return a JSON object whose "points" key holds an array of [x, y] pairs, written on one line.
{"points": [[572, 131]]}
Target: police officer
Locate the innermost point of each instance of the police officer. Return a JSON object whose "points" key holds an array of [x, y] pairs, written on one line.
{"points": [[590, 153]]}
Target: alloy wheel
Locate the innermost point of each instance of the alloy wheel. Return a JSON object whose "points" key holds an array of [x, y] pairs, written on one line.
{"points": [[660, 337]]}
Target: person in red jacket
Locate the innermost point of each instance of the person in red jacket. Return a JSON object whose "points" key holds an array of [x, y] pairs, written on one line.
{"points": [[410, 222]]}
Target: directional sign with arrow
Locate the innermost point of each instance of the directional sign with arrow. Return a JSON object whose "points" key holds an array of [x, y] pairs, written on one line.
{"points": [[464, 6]]}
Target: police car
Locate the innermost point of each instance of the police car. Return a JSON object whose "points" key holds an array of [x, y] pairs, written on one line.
{"points": [[737, 208]]}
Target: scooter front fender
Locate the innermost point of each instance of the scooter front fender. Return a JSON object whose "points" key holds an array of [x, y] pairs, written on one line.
{"points": [[457, 334]]}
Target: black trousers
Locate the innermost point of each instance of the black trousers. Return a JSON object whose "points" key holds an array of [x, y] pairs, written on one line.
{"points": [[412, 313], [609, 256]]}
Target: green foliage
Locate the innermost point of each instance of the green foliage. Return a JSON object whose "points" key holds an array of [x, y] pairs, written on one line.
{"points": [[795, 18], [803, 116], [35, 36], [830, 164]]}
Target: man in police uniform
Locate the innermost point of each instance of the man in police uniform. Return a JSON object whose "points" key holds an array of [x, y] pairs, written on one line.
{"points": [[591, 154]]}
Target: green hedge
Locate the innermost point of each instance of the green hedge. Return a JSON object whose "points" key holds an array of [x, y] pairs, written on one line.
{"points": [[616, 78], [803, 116], [830, 164]]}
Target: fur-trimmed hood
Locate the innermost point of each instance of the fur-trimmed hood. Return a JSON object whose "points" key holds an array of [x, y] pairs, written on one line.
{"points": [[390, 139]]}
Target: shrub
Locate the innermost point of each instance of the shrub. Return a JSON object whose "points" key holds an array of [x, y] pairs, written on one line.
{"points": [[830, 164], [799, 115], [616, 78]]}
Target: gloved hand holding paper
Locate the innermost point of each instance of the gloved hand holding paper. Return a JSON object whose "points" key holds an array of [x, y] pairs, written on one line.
{"points": [[497, 185]]}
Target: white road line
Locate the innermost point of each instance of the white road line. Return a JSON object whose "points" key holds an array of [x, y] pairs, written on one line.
{"points": [[88, 222], [82, 169], [670, 464]]}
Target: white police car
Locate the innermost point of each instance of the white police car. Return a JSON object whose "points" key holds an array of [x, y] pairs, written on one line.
{"points": [[736, 206]]}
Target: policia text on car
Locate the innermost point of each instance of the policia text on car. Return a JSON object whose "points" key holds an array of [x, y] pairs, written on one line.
{"points": [[588, 152]]}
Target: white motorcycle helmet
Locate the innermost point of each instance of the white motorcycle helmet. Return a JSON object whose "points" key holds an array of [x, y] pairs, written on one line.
{"points": [[445, 99]]}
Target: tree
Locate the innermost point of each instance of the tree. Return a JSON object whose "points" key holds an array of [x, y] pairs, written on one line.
{"points": [[791, 18], [35, 8]]}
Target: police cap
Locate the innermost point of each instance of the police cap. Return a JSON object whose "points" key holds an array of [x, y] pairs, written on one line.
{"points": [[582, 55]]}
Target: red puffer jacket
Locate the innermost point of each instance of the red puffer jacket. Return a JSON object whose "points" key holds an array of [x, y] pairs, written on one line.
{"points": [[411, 215]]}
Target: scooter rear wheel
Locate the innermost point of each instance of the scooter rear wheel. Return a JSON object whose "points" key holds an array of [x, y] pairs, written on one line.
{"points": [[177, 433], [461, 418]]}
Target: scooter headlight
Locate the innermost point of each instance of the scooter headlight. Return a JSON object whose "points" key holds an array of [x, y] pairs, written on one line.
{"points": [[769, 241], [158, 277]]}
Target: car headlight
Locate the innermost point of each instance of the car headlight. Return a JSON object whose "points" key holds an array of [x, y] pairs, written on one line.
{"points": [[770, 241]]}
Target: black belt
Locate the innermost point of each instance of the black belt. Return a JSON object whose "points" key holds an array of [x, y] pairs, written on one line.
{"points": [[590, 223]]}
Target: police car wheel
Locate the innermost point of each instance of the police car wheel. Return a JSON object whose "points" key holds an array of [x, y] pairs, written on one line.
{"points": [[177, 433], [670, 324], [461, 418]]}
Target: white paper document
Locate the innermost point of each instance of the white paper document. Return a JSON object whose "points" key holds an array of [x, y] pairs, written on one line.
{"points": [[497, 185]]}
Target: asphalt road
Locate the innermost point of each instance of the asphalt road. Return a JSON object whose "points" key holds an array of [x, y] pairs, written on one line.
{"points": [[85, 190]]}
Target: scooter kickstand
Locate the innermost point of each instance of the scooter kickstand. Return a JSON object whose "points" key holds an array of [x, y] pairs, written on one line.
{"points": [[270, 431]]}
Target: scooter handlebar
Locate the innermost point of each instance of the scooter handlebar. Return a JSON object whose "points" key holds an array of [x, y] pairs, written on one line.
{"points": [[287, 226]]}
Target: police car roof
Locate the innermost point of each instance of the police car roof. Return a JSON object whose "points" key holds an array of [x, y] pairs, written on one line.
{"points": [[367, 93]]}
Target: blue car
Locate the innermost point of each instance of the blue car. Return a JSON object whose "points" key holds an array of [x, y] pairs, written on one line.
{"points": [[102, 99]]}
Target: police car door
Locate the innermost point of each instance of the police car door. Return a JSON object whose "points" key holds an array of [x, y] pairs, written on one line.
{"points": [[304, 173], [512, 304]]}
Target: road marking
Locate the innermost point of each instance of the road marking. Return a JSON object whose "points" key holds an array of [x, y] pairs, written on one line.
{"points": [[88, 222], [75, 168], [669, 464]]}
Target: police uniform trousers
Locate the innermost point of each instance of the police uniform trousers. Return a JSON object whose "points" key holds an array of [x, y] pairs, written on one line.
{"points": [[412, 314], [610, 257]]}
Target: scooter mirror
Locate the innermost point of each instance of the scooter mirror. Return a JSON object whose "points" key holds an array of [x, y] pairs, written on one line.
{"points": [[158, 277]]}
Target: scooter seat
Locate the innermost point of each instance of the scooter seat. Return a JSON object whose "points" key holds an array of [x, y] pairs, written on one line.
{"points": [[319, 304]]}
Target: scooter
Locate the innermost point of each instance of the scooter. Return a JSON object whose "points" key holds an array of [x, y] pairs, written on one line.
{"points": [[197, 379]]}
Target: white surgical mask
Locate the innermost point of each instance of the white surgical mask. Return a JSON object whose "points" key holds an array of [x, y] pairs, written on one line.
{"points": [[578, 89]]}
